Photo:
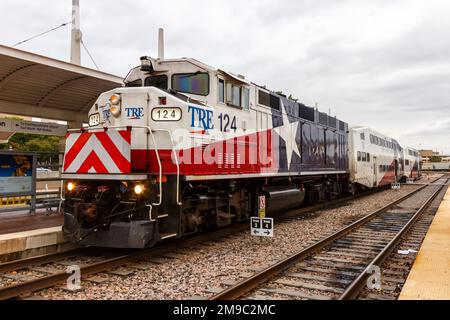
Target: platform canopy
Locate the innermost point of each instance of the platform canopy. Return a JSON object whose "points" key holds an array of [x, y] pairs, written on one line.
{"points": [[38, 86]]}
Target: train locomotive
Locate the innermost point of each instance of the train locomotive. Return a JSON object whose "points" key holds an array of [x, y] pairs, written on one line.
{"points": [[184, 147]]}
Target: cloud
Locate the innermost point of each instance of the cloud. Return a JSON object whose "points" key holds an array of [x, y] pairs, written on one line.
{"points": [[383, 63]]}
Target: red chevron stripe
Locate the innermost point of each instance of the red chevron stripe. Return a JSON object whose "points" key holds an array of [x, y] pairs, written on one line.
{"points": [[76, 148], [126, 135], [121, 162], [92, 160]]}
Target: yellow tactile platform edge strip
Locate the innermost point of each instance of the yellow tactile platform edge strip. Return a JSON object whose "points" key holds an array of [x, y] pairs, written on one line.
{"points": [[429, 278], [14, 201]]}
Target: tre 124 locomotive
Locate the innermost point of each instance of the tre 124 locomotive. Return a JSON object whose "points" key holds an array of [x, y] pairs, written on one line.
{"points": [[183, 147]]}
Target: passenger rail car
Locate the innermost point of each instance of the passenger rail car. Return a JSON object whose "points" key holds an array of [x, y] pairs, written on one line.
{"points": [[411, 163], [185, 147], [375, 159]]}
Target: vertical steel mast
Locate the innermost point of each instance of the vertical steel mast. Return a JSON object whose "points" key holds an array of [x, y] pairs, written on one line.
{"points": [[75, 47]]}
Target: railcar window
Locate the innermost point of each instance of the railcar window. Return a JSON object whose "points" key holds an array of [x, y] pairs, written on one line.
{"points": [[194, 83], [246, 98], [135, 83], [371, 138], [359, 156], [363, 158], [221, 93], [363, 137], [156, 81], [368, 157], [407, 162]]}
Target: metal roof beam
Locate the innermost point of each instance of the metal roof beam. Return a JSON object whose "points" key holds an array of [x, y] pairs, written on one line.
{"points": [[43, 101], [41, 112], [46, 61], [17, 74]]}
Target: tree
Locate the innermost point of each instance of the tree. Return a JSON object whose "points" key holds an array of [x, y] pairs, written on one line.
{"points": [[435, 159], [34, 142]]}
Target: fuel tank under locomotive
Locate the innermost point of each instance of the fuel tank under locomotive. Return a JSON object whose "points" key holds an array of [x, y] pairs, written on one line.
{"points": [[283, 198]]}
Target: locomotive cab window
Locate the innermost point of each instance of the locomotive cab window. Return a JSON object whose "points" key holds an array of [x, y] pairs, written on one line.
{"points": [[221, 89], [135, 83], [234, 94], [236, 99], [159, 82], [246, 98], [194, 83]]}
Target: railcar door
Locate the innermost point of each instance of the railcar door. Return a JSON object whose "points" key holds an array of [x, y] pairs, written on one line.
{"points": [[396, 170], [375, 171]]}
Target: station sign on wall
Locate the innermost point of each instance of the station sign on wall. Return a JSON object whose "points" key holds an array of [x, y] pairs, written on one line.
{"points": [[23, 126]]}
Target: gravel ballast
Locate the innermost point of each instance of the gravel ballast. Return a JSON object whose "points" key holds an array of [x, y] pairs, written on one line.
{"points": [[210, 266]]}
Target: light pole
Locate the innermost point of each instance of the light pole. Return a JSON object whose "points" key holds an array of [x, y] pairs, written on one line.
{"points": [[75, 45]]}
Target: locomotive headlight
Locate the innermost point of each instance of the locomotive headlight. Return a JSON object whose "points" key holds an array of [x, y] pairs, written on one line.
{"points": [[114, 99], [115, 108], [115, 111], [70, 186], [138, 189]]}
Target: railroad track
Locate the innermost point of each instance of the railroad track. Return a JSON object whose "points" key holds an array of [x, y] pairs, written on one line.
{"points": [[93, 260], [339, 266]]}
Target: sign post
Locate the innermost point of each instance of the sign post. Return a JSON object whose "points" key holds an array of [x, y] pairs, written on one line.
{"points": [[262, 207]]}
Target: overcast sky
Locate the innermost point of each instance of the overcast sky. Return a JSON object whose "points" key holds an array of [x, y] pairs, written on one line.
{"points": [[380, 63]]}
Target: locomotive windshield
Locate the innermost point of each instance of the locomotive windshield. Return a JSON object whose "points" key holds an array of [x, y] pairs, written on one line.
{"points": [[194, 83], [157, 81]]}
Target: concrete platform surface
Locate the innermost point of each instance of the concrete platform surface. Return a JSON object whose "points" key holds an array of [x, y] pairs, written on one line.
{"points": [[27, 240], [11, 222], [429, 278]]}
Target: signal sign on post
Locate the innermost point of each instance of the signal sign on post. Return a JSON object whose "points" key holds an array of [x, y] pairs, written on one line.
{"points": [[262, 207], [261, 227]]}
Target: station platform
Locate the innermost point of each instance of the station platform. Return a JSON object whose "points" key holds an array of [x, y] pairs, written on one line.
{"points": [[429, 278], [23, 235]]}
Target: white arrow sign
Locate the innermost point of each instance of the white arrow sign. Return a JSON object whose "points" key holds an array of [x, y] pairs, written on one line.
{"points": [[261, 227]]}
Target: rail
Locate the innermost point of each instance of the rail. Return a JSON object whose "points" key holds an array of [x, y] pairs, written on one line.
{"points": [[242, 288], [51, 280]]}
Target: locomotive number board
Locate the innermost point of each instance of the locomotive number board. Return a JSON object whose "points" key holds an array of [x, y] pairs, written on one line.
{"points": [[166, 114]]}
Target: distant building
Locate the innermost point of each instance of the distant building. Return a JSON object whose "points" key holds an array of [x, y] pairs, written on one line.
{"points": [[428, 153]]}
